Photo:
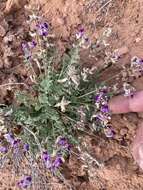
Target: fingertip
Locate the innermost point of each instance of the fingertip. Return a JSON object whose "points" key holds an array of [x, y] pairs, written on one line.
{"points": [[123, 104], [136, 102], [119, 104]]}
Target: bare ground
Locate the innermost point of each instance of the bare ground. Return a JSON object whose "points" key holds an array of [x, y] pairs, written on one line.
{"points": [[125, 18]]}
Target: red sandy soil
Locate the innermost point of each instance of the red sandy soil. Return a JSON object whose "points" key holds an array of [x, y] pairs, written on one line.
{"points": [[66, 17]]}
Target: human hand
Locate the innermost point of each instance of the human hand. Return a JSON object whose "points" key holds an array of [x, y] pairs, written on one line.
{"points": [[122, 104]]}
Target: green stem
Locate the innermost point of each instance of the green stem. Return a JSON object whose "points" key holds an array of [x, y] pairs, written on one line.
{"points": [[36, 139], [89, 93]]}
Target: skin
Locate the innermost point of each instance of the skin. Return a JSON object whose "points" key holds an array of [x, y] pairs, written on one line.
{"points": [[122, 104]]}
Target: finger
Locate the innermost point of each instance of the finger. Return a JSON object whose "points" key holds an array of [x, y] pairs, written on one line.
{"points": [[119, 104], [137, 147], [136, 102], [122, 104]]}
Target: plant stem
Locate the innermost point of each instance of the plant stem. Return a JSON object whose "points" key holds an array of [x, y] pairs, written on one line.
{"points": [[11, 84], [99, 10], [102, 83], [87, 94], [36, 139]]}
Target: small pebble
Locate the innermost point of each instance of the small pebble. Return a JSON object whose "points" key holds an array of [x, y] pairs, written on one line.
{"points": [[118, 167], [98, 150], [123, 131], [137, 40]]}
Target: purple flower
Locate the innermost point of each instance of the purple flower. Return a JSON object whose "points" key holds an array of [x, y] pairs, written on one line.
{"points": [[86, 39], [68, 147], [104, 91], [116, 56], [43, 29], [99, 117], [48, 164], [3, 150], [141, 61], [32, 44], [46, 25], [10, 138], [25, 182], [80, 33], [28, 178], [26, 147], [101, 95], [81, 30], [98, 97], [16, 143], [57, 163], [24, 45], [47, 159], [46, 156], [62, 141], [136, 60], [26, 50], [105, 109]]}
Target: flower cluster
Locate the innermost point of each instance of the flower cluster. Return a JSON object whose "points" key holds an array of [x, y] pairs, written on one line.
{"points": [[27, 48], [115, 56], [137, 64], [102, 115], [63, 144], [25, 182], [43, 29], [9, 139], [128, 89], [50, 163], [3, 149], [84, 41], [80, 34], [13, 143], [54, 162], [18, 150]]}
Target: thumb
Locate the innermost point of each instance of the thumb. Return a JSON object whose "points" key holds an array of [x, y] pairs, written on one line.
{"points": [[122, 104]]}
